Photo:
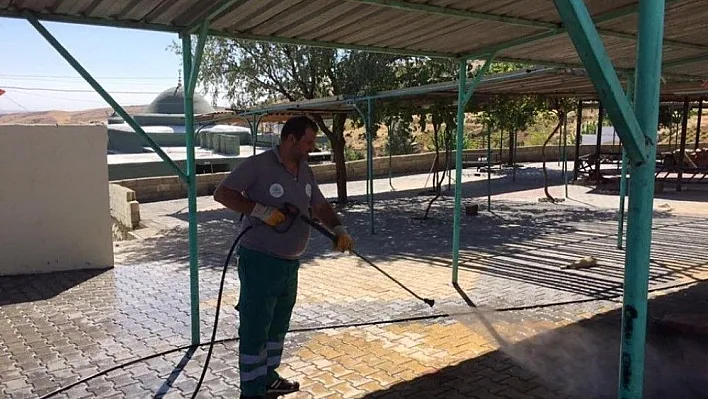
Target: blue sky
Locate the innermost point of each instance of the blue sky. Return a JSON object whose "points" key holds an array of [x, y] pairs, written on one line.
{"points": [[121, 60]]}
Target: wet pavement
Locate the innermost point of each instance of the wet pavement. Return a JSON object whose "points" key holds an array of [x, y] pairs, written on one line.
{"points": [[540, 330]]}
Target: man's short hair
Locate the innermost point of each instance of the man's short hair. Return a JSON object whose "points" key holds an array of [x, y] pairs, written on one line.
{"points": [[297, 126]]}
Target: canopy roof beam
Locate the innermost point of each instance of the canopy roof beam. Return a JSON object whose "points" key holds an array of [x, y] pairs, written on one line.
{"points": [[592, 51], [32, 19], [562, 29], [447, 11]]}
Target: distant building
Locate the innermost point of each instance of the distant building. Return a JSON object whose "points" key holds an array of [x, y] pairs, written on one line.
{"points": [[163, 120], [218, 147]]}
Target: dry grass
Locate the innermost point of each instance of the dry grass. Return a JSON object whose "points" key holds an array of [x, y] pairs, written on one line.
{"points": [[85, 117]]}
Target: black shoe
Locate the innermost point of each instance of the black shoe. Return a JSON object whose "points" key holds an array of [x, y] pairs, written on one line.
{"points": [[251, 397], [283, 387]]}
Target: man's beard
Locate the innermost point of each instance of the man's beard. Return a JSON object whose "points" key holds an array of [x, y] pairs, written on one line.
{"points": [[300, 156]]}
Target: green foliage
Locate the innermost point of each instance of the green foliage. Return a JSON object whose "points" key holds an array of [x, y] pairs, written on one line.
{"points": [[467, 142], [443, 118], [670, 117], [400, 139], [250, 73], [589, 128], [501, 67], [511, 113], [411, 72], [351, 154]]}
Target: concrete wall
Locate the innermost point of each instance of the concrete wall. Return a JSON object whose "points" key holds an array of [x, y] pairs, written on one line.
{"points": [[124, 206], [171, 187], [152, 189], [122, 171], [54, 206]]}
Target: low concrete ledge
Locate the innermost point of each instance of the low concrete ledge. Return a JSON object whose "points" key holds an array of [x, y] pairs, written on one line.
{"points": [[124, 206]]}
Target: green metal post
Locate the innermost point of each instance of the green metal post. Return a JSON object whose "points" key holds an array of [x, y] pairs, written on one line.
{"points": [[598, 142], [365, 118], [254, 132], [512, 153], [641, 200], [103, 93], [578, 138], [682, 145], [565, 152], [560, 146], [390, 156], [190, 74], [623, 173], [370, 158], [489, 167], [463, 96], [501, 150], [698, 123], [462, 82], [591, 50]]}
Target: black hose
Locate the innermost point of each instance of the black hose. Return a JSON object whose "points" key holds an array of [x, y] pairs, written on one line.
{"points": [[288, 211], [234, 339], [360, 324], [218, 307], [331, 236]]}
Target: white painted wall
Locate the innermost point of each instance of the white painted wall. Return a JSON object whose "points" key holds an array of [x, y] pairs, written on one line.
{"points": [[54, 205]]}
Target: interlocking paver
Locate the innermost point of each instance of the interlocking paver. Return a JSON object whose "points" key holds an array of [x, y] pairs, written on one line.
{"points": [[61, 327]]}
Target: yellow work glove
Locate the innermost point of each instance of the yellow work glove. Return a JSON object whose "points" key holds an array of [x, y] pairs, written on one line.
{"points": [[344, 242], [268, 214]]}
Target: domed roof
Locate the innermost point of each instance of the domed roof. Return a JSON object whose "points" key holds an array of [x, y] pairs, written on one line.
{"points": [[171, 101]]}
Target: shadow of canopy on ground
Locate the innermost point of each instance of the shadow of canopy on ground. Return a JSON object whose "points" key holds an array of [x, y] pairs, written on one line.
{"points": [[39, 287], [528, 242], [528, 178], [579, 360], [395, 224], [536, 242], [692, 192]]}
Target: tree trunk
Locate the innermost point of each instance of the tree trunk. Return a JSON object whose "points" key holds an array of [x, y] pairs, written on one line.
{"points": [[341, 166], [436, 129], [336, 138], [543, 158], [512, 138]]}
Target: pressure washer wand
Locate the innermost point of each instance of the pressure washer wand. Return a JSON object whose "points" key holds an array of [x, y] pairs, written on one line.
{"points": [[331, 236]]}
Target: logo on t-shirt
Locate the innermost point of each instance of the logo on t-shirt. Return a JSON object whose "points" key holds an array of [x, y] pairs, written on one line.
{"points": [[276, 190], [308, 189]]}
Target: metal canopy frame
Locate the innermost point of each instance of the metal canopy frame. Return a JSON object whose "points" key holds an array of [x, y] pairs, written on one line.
{"points": [[602, 38], [544, 81]]}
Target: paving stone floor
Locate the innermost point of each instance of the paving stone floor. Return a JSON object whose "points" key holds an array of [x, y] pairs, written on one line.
{"points": [[539, 330]]}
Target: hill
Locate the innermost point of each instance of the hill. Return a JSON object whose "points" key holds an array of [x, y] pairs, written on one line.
{"points": [[84, 117]]}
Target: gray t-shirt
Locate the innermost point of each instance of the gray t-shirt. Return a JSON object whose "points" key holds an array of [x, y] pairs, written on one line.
{"points": [[263, 178]]}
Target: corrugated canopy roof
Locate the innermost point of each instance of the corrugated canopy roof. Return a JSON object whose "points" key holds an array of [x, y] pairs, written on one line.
{"points": [[446, 28], [548, 82]]}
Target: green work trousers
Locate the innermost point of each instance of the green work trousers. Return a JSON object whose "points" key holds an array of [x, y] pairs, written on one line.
{"points": [[268, 294]]}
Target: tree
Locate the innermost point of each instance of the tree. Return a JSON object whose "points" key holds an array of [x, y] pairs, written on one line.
{"points": [[249, 73], [443, 118], [670, 118], [400, 133], [442, 114], [561, 107], [510, 114]]}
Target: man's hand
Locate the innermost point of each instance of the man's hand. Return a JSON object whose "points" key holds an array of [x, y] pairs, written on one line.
{"points": [[268, 214], [345, 242]]}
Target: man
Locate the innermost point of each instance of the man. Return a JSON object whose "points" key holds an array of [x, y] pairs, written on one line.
{"points": [[269, 253]]}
